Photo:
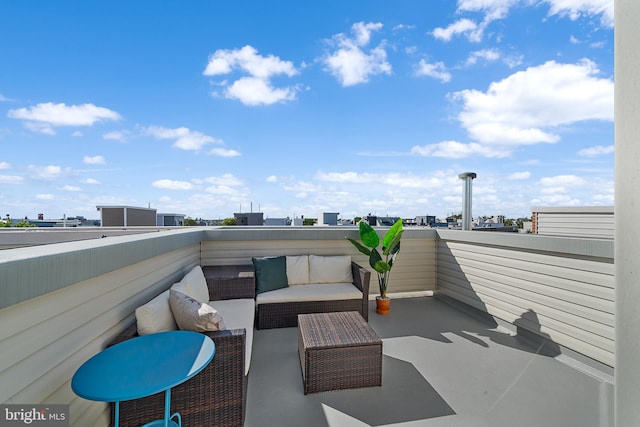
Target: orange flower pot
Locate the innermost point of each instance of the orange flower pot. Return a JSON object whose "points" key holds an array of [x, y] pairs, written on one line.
{"points": [[382, 305]]}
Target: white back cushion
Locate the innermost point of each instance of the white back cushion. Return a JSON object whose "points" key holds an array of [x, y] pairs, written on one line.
{"points": [[155, 316], [330, 269], [298, 270], [194, 285]]}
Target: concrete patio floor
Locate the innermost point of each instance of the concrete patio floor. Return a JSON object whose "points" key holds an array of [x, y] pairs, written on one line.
{"points": [[443, 365]]}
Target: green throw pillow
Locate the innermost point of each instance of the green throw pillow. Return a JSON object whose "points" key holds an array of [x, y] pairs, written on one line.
{"points": [[271, 273]]}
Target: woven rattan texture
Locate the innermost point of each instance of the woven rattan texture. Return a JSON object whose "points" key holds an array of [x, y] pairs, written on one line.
{"points": [[338, 351]]}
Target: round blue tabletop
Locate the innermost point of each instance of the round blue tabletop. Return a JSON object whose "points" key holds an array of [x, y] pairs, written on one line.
{"points": [[143, 366]]}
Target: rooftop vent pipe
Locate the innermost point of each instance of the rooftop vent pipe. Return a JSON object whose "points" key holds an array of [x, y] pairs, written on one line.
{"points": [[466, 199]]}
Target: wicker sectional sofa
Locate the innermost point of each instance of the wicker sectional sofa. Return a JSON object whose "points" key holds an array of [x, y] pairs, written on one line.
{"points": [[316, 284], [217, 395]]}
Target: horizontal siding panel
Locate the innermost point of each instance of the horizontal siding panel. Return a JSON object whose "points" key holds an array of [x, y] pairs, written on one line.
{"points": [[583, 311], [571, 296], [586, 294], [520, 259], [596, 353], [566, 321]]}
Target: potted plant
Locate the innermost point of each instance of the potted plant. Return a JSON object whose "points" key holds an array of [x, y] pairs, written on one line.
{"points": [[382, 266]]}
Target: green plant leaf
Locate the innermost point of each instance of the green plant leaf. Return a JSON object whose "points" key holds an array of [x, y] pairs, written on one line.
{"points": [[368, 235], [374, 257], [395, 229], [360, 247], [394, 246], [382, 266]]}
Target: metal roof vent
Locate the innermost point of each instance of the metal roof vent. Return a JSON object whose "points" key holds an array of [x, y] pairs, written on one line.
{"points": [[466, 199]]}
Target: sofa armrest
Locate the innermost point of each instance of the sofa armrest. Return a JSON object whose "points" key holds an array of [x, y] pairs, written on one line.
{"points": [[230, 282], [361, 279]]}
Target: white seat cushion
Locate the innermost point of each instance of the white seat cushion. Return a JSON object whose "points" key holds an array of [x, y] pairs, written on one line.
{"points": [[238, 314], [155, 316], [330, 269], [311, 292]]}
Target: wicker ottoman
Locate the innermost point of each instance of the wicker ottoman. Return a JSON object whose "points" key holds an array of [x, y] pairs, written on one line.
{"points": [[338, 351]]}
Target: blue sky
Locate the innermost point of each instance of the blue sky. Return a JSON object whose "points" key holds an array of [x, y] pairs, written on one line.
{"points": [[207, 108]]}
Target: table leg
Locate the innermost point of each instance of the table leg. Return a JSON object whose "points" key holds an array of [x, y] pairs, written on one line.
{"points": [[167, 403], [117, 414]]}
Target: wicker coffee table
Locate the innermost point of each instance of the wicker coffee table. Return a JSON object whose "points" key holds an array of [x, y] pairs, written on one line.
{"points": [[338, 351]]}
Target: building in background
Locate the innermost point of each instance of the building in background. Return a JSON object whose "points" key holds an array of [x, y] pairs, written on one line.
{"points": [[169, 220], [126, 216], [251, 218], [327, 218], [573, 221]]}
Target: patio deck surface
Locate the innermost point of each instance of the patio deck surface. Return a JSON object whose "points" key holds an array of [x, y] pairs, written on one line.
{"points": [[442, 366]]}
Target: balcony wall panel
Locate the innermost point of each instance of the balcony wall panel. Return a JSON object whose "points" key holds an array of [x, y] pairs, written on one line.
{"points": [[564, 295], [46, 338], [414, 270]]}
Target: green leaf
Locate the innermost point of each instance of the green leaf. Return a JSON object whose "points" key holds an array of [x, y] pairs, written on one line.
{"points": [[382, 266], [374, 257], [368, 235], [395, 229], [359, 247]]}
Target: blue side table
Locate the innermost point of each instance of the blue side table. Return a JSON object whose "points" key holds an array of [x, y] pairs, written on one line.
{"points": [[144, 366]]}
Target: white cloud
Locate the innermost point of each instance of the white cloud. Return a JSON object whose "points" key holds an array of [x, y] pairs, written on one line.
{"points": [[77, 134], [168, 184], [462, 26], [492, 10], [248, 60], [256, 89], [349, 63], [5, 165], [272, 178], [224, 152], [485, 54], [562, 181], [225, 179], [45, 196], [45, 117], [596, 151], [524, 107], [517, 176], [71, 188], [185, 138], [94, 160], [91, 181], [50, 172], [11, 179], [117, 135], [574, 9], [4, 98], [458, 150], [437, 71]]}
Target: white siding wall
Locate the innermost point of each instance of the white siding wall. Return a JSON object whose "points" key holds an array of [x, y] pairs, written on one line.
{"points": [[565, 296]]}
